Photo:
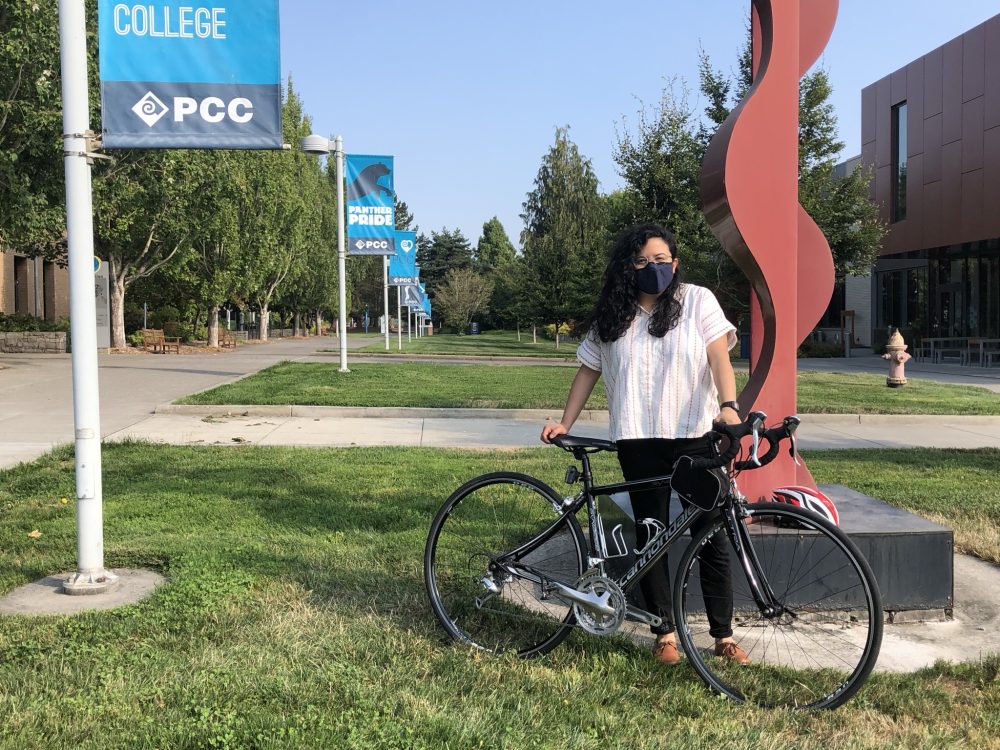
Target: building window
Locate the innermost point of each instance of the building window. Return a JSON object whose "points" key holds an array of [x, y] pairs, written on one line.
{"points": [[21, 285], [899, 162]]}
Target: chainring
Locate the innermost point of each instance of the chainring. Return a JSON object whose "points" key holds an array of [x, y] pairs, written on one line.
{"points": [[595, 622]]}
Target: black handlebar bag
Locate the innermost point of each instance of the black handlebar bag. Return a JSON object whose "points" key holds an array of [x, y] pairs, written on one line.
{"points": [[703, 488]]}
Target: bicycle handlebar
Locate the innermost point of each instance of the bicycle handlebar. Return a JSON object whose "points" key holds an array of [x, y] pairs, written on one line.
{"points": [[753, 425], [774, 436]]}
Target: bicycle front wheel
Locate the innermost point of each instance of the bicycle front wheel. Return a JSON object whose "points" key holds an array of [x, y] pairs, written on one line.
{"points": [[488, 573], [819, 646]]}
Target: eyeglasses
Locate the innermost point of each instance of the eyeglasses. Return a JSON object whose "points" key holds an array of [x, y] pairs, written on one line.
{"points": [[642, 261]]}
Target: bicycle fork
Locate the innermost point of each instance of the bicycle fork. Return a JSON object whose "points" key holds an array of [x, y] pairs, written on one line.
{"points": [[760, 589]]}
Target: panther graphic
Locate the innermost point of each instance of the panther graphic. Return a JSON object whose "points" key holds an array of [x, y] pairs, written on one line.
{"points": [[367, 184]]}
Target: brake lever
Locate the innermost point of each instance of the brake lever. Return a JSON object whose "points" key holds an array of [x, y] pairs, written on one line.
{"points": [[791, 425], [755, 435]]}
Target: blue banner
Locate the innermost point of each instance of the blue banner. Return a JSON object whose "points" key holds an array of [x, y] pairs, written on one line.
{"points": [[411, 297], [371, 201], [178, 74], [403, 265]]}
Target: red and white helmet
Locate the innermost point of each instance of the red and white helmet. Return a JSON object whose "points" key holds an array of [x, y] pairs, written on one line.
{"points": [[810, 499]]}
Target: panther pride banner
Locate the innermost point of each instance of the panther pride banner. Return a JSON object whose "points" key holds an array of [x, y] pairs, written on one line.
{"points": [[370, 199]]}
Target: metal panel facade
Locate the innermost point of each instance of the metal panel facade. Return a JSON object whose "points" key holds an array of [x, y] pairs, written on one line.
{"points": [[953, 142]]}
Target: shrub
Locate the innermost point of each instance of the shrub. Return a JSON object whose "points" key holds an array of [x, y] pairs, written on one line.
{"points": [[810, 348], [19, 323], [550, 330]]}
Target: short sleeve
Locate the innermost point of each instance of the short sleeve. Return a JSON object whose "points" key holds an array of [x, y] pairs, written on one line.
{"points": [[588, 353], [713, 322]]}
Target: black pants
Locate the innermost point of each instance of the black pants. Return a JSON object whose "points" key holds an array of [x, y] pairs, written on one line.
{"points": [[643, 459]]}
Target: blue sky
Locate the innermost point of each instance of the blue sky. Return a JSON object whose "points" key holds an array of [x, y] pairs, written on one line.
{"points": [[467, 95]]}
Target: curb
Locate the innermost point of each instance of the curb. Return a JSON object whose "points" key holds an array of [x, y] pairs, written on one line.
{"points": [[375, 412], [533, 415]]}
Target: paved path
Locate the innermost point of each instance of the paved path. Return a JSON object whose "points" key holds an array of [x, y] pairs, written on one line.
{"points": [[36, 390], [36, 407]]}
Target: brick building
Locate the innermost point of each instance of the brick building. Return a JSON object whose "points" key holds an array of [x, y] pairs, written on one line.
{"points": [[33, 286]]}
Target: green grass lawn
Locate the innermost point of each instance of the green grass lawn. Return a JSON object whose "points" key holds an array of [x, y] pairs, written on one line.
{"points": [[296, 617], [486, 344], [532, 387]]}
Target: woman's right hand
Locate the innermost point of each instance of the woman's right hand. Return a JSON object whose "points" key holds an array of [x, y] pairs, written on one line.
{"points": [[551, 430]]}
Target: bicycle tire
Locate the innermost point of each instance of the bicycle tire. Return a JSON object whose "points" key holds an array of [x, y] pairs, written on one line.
{"points": [[484, 519], [821, 649]]}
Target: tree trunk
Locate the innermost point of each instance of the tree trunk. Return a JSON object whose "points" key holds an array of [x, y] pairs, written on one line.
{"points": [[262, 321], [319, 322], [534, 333], [213, 325], [557, 335], [117, 289]]}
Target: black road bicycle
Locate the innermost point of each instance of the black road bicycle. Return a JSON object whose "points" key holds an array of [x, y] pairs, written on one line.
{"points": [[508, 568]]}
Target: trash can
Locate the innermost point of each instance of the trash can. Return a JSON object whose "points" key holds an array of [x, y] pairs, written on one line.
{"points": [[744, 346], [474, 329]]}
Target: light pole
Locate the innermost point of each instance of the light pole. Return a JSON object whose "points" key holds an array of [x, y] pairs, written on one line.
{"points": [[91, 577], [318, 145]]}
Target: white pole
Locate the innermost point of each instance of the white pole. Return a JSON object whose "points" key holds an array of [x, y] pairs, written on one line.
{"points": [[385, 296], [399, 318], [341, 253], [90, 576], [409, 329]]}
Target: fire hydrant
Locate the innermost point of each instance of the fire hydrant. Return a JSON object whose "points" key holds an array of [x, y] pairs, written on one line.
{"points": [[895, 352]]}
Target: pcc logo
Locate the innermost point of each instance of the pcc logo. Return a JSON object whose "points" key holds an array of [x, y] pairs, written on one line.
{"points": [[211, 109], [150, 109], [371, 245]]}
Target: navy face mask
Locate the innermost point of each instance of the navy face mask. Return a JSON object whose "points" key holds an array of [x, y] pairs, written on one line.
{"points": [[654, 277]]}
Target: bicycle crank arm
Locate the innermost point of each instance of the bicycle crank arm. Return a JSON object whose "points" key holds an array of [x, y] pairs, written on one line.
{"points": [[640, 615], [593, 602]]}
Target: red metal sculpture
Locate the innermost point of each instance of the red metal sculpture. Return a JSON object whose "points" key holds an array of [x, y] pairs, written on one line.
{"points": [[749, 190]]}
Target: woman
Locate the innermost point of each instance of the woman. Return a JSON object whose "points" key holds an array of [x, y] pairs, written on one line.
{"points": [[663, 349]]}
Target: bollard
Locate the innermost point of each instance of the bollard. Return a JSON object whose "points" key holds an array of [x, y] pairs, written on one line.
{"points": [[895, 353]]}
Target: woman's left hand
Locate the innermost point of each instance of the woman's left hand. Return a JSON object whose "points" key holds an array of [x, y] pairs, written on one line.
{"points": [[728, 416]]}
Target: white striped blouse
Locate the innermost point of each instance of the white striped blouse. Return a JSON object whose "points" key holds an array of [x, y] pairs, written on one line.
{"points": [[662, 387]]}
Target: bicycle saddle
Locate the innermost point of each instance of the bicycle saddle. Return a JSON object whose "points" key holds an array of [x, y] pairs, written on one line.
{"points": [[571, 442]]}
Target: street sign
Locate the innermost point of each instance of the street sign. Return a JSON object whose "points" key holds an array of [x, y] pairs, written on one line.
{"points": [[176, 74]]}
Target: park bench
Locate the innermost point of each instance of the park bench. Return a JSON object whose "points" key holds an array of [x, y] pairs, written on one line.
{"points": [[226, 340], [154, 341]]}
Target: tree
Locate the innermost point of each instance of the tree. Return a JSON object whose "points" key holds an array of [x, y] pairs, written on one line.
{"points": [[496, 258], [843, 211], [564, 236], [142, 201], [462, 296], [661, 166], [447, 250], [32, 199], [279, 212]]}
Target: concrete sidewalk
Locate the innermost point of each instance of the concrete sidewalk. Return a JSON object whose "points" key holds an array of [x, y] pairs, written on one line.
{"points": [[36, 390], [314, 426]]}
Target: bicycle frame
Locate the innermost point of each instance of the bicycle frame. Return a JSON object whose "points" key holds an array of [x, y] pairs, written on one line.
{"points": [[659, 544]]}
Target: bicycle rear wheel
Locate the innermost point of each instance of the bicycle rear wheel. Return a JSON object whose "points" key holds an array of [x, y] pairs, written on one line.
{"points": [[819, 649], [467, 564]]}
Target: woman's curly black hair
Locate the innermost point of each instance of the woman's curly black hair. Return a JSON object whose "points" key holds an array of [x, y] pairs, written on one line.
{"points": [[619, 298]]}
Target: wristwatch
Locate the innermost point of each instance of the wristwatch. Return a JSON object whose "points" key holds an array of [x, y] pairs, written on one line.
{"points": [[731, 404]]}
